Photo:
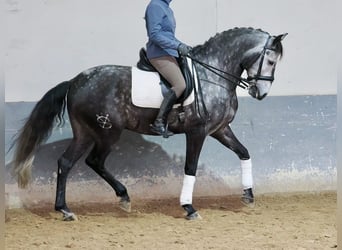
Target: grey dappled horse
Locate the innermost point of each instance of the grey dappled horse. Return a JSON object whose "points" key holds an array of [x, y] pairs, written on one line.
{"points": [[107, 89]]}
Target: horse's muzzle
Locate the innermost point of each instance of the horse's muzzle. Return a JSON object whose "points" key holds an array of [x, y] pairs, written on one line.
{"points": [[254, 92]]}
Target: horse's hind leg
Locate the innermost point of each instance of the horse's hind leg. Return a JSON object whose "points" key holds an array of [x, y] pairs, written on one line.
{"points": [[96, 160], [75, 150], [228, 139]]}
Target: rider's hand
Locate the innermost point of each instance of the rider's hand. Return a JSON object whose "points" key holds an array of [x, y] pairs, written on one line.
{"points": [[183, 49]]}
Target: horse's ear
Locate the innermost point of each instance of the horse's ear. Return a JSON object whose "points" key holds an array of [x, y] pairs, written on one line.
{"points": [[279, 38]]}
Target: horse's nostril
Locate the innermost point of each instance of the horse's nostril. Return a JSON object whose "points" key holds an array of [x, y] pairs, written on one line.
{"points": [[262, 97], [253, 91]]}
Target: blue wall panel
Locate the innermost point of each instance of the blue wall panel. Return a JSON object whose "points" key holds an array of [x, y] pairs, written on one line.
{"points": [[291, 139]]}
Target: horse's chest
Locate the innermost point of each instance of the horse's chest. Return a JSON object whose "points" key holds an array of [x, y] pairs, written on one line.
{"points": [[230, 114], [223, 109]]}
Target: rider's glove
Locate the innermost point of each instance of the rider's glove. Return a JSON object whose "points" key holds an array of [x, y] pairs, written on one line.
{"points": [[183, 49]]}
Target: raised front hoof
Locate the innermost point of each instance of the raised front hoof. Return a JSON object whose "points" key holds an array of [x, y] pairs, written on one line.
{"points": [[125, 206], [248, 198]]}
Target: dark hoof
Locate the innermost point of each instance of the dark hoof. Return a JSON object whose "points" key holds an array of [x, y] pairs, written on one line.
{"points": [[248, 198]]}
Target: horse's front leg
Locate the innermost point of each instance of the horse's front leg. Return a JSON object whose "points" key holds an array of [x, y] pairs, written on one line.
{"points": [[228, 139], [194, 143]]}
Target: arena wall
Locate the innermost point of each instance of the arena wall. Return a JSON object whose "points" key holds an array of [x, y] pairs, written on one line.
{"points": [[291, 135]]}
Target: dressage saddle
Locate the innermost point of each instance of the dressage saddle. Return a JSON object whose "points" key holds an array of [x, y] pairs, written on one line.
{"points": [[144, 64]]}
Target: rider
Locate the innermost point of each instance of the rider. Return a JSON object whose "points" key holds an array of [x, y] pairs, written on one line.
{"points": [[162, 50]]}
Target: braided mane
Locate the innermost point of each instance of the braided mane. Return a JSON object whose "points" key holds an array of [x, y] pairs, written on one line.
{"points": [[232, 39]]}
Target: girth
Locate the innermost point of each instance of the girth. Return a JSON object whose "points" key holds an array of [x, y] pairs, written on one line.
{"points": [[145, 64]]}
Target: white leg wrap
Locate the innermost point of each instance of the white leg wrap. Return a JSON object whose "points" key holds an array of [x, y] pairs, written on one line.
{"points": [[247, 178], [188, 187]]}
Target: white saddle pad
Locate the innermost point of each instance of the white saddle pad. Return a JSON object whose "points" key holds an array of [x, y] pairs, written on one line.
{"points": [[147, 91]]}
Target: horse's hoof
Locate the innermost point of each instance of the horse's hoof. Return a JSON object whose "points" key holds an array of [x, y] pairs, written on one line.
{"points": [[125, 206], [69, 217], [248, 198], [193, 216], [247, 202]]}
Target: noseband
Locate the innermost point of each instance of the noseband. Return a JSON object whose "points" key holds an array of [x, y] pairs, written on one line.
{"points": [[242, 82]]}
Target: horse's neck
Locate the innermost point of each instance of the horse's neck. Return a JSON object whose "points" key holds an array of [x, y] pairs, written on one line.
{"points": [[228, 62], [227, 50]]}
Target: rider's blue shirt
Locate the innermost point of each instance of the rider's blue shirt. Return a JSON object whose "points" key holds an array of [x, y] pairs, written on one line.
{"points": [[161, 26]]}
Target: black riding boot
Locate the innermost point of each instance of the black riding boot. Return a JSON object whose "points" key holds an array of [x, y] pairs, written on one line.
{"points": [[160, 124]]}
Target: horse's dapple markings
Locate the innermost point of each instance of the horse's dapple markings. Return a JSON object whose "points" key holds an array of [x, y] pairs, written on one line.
{"points": [[106, 90]]}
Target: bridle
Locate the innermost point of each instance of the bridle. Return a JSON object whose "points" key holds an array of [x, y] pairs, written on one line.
{"points": [[258, 76], [242, 82]]}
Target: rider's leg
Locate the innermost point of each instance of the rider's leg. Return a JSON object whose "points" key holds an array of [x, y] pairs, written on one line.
{"points": [[168, 67]]}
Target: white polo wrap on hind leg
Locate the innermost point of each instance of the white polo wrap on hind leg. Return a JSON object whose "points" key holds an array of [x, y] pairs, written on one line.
{"points": [[188, 187], [247, 178]]}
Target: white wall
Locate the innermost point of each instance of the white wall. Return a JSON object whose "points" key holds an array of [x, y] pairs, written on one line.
{"points": [[49, 41]]}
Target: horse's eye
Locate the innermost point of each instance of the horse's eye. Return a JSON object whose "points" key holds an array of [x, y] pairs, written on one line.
{"points": [[271, 63]]}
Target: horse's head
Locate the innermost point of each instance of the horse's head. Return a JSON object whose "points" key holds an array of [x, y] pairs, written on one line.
{"points": [[260, 64]]}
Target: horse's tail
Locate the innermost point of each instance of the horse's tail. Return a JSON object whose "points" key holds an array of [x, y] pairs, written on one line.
{"points": [[37, 129]]}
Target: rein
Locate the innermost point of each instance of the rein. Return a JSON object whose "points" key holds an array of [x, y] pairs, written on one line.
{"points": [[242, 82]]}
